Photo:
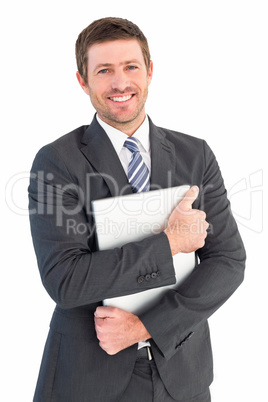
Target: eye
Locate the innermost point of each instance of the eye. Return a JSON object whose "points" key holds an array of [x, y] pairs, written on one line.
{"points": [[132, 67], [103, 71]]}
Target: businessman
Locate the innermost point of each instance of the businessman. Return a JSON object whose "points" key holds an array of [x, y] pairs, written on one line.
{"points": [[97, 353]]}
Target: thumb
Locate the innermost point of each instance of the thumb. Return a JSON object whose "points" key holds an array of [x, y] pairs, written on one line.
{"points": [[189, 199]]}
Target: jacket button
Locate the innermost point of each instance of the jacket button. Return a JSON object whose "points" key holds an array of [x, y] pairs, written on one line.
{"points": [[147, 277], [153, 275], [140, 279]]}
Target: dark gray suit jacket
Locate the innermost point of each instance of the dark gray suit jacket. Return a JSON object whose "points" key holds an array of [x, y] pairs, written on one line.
{"points": [[66, 175]]}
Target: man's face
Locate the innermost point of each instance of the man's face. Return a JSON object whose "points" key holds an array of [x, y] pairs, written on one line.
{"points": [[118, 82]]}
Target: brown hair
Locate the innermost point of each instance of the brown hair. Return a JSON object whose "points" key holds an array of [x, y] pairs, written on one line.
{"points": [[104, 30]]}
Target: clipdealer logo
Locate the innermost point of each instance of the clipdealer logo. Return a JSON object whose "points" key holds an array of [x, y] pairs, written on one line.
{"points": [[246, 197]]}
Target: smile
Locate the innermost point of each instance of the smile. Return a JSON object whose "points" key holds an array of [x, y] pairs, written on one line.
{"points": [[121, 98]]}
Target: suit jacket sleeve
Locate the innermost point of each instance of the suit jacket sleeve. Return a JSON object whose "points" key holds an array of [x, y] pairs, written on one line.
{"points": [[72, 271], [176, 317]]}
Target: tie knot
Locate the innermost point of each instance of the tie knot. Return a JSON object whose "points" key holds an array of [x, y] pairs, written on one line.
{"points": [[132, 144]]}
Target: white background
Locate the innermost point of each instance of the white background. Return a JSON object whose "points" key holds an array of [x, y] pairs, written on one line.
{"points": [[210, 81]]}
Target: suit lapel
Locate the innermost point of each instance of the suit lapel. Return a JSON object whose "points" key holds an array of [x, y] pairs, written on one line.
{"points": [[162, 159], [99, 151], [101, 154]]}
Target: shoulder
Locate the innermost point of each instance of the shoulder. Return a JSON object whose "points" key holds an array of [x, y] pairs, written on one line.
{"points": [[66, 144], [63, 149], [69, 141], [189, 150], [182, 142], [179, 137]]}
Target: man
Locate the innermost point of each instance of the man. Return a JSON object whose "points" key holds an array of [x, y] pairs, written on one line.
{"points": [[97, 353]]}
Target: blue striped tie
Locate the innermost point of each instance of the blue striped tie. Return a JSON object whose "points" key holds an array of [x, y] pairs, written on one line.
{"points": [[138, 173]]}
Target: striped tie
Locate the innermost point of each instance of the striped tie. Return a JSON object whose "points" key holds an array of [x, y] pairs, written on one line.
{"points": [[138, 173]]}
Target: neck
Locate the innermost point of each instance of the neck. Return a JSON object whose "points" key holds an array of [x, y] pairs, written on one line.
{"points": [[128, 127]]}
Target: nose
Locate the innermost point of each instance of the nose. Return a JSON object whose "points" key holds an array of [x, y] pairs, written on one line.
{"points": [[119, 80]]}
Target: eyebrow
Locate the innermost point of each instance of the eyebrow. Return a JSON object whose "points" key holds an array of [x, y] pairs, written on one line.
{"points": [[124, 63]]}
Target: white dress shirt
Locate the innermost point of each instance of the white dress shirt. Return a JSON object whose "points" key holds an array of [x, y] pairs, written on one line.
{"points": [[118, 138]]}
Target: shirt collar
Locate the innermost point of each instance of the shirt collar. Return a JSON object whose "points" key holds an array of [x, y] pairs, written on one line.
{"points": [[118, 138]]}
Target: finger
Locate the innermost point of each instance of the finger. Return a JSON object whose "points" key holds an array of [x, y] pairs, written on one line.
{"points": [[99, 321], [104, 312], [189, 198]]}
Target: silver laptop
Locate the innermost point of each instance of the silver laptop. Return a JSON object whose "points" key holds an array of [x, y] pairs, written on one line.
{"points": [[124, 219]]}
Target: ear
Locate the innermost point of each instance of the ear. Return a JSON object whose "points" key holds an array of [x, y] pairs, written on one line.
{"points": [[150, 73], [82, 83]]}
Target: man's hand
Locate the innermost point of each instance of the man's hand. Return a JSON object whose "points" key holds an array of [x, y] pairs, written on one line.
{"points": [[118, 329], [187, 227]]}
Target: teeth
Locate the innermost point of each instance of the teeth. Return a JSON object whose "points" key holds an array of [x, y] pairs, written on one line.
{"points": [[121, 98]]}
